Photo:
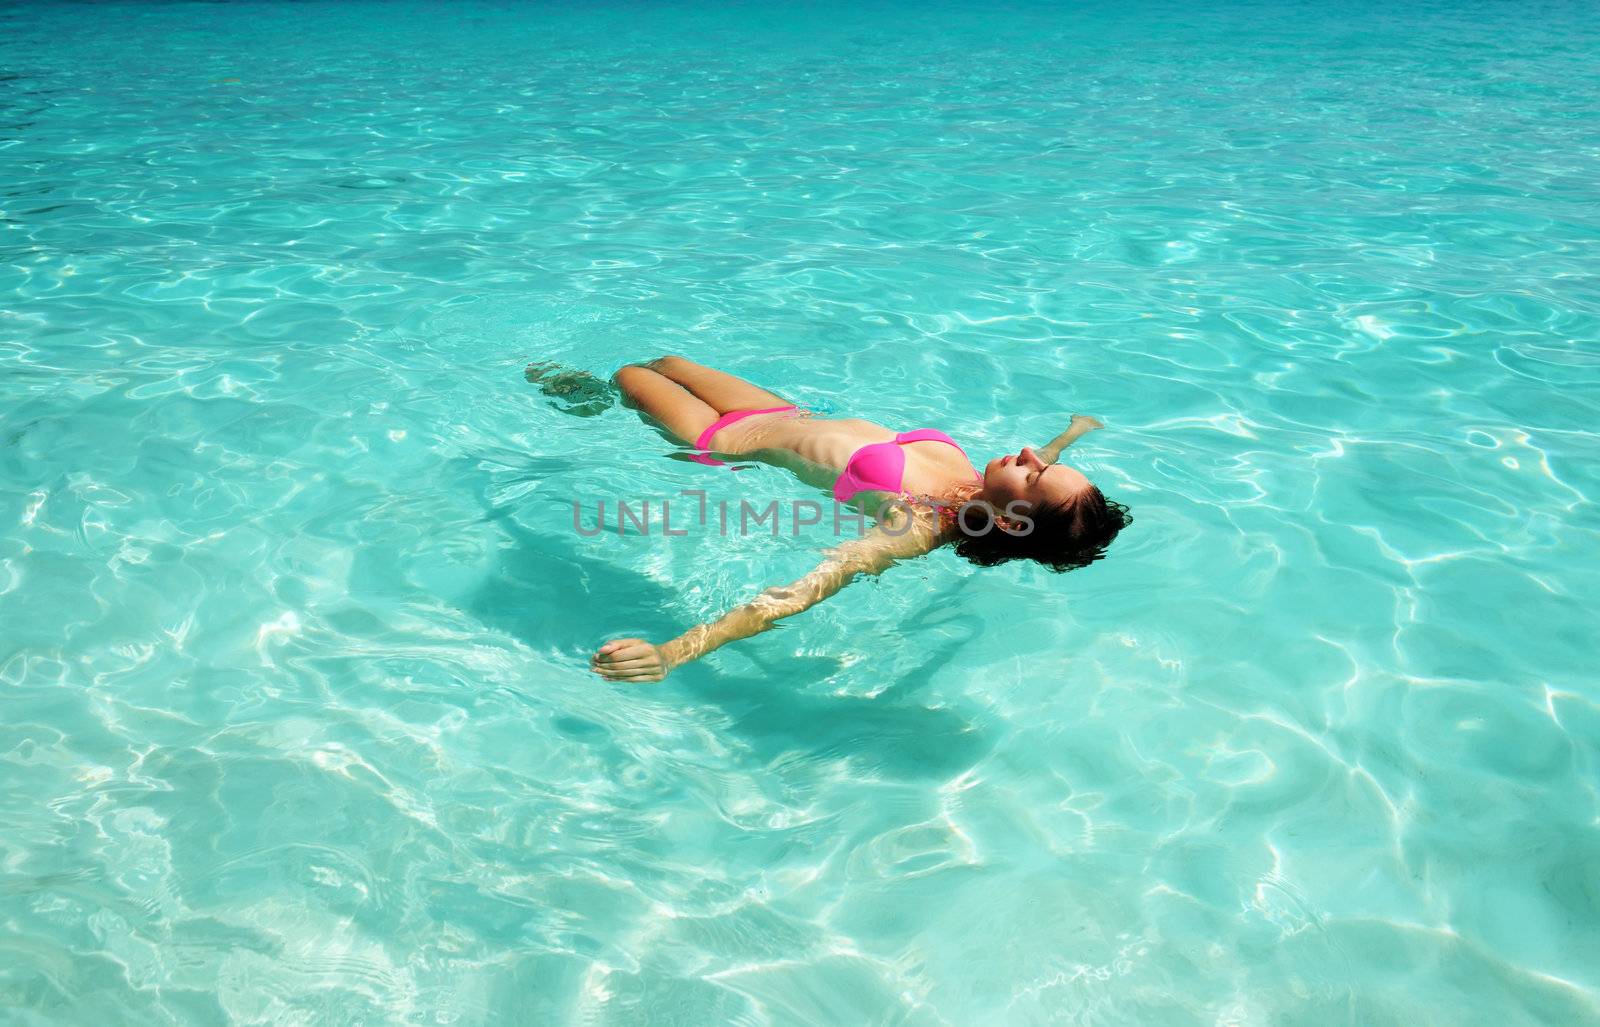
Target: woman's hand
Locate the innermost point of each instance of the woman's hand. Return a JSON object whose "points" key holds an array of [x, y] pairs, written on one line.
{"points": [[1084, 423], [630, 659]]}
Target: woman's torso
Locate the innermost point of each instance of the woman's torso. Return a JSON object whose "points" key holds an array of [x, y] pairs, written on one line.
{"points": [[818, 450]]}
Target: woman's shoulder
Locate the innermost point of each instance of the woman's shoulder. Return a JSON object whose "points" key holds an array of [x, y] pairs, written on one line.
{"points": [[925, 524], [900, 534]]}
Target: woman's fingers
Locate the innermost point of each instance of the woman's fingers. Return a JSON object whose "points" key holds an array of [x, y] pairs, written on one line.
{"points": [[621, 649], [629, 663], [639, 674], [641, 663], [641, 668]]}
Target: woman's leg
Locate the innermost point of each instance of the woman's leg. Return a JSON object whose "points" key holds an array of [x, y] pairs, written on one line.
{"points": [[666, 401], [719, 390]]}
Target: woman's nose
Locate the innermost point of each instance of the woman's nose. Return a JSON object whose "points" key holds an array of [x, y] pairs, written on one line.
{"points": [[1028, 458]]}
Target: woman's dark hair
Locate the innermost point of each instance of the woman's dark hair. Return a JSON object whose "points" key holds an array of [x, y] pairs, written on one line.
{"points": [[1065, 536]]}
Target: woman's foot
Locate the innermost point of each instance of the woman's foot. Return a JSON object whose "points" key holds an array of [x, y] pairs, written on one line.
{"points": [[576, 392]]}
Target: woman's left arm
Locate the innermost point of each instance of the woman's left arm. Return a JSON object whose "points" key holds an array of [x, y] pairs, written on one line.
{"points": [[634, 659], [1081, 425]]}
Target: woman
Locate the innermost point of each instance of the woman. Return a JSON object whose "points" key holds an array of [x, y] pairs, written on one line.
{"points": [[1021, 506]]}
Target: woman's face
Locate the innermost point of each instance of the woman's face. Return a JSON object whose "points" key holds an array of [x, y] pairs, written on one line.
{"points": [[1027, 478]]}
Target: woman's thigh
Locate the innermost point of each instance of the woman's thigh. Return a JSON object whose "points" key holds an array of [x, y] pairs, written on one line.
{"points": [[720, 390], [666, 401]]}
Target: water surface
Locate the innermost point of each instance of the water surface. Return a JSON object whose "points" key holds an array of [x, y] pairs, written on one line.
{"points": [[295, 724]]}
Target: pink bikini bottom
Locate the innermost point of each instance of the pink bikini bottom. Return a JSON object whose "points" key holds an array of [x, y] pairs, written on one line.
{"points": [[703, 443]]}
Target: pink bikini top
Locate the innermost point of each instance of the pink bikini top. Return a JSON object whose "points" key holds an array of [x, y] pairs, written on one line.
{"points": [[881, 466]]}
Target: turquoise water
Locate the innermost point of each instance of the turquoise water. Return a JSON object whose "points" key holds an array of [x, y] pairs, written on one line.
{"points": [[295, 722]]}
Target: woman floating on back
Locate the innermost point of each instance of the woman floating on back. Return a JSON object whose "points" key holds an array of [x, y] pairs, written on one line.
{"points": [[1021, 506]]}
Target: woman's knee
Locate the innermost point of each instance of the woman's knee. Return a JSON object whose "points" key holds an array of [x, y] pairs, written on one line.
{"points": [[670, 363], [630, 377]]}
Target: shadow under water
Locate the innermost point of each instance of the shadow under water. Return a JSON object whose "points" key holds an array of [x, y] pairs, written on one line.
{"points": [[540, 577]]}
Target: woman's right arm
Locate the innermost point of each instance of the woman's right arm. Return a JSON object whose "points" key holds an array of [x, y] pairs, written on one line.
{"points": [[634, 659]]}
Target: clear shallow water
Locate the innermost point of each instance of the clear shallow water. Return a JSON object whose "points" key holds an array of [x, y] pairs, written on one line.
{"points": [[296, 725]]}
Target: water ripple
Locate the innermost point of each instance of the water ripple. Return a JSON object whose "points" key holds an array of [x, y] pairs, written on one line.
{"points": [[297, 727]]}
